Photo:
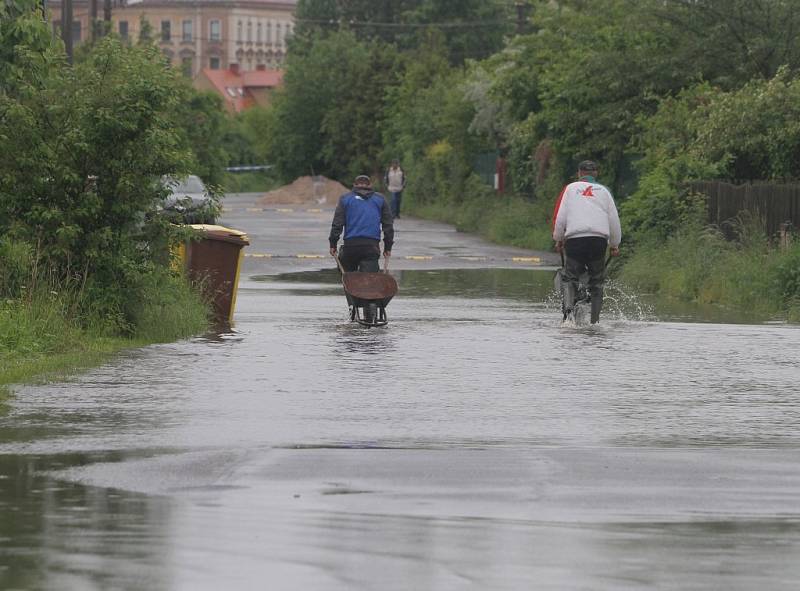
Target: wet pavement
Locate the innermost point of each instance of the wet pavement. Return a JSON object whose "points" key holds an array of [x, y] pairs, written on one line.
{"points": [[473, 443]]}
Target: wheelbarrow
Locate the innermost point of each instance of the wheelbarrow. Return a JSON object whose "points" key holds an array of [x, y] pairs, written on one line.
{"points": [[368, 294]]}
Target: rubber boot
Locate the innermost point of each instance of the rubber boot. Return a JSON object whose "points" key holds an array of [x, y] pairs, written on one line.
{"points": [[569, 293], [597, 303]]}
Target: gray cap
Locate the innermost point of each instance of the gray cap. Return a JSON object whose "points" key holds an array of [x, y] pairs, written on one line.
{"points": [[588, 166]]}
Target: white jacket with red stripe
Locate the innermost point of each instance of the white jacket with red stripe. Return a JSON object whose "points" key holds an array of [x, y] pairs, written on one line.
{"points": [[586, 208]]}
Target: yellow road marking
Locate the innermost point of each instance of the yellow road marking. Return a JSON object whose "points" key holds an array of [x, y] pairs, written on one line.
{"points": [[526, 259], [314, 210], [310, 256], [284, 210], [254, 209], [256, 255], [418, 258]]}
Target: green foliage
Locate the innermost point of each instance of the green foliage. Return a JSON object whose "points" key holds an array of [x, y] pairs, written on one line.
{"points": [[16, 267], [471, 29], [203, 124], [698, 264], [26, 43], [327, 118], [240, 139], [54, 327], [165, 308], [704, 132], [787, 275], [499, 218], [257, 181], [730, 42], [79, 154]]}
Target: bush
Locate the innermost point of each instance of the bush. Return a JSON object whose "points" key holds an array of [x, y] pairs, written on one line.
{"points": [[787, 275], [16, 265], [698, 264]]}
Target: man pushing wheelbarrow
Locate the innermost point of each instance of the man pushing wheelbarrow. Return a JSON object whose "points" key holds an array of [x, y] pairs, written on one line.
{"points": [[362, 214]]}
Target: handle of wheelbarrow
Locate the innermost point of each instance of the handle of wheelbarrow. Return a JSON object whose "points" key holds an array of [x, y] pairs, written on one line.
{"points": [[386, 263], [338, 263]]}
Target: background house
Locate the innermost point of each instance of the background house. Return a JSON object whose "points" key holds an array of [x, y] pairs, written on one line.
{"points": [[195, 35]]}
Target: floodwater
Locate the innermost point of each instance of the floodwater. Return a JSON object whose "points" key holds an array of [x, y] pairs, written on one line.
{"points": [[473, 443]]}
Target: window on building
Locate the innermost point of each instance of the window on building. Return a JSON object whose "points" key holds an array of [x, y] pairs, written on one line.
{"points": [[249, 32], [187, 31], [239, 29], [269, 31], [213, 63], [166, 31], [215, 31], [278, 33], [259, 33], [123, 30], [186, 66], [76, 32]]}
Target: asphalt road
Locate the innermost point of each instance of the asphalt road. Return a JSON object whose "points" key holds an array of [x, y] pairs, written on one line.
{"points": [[474, 443]]}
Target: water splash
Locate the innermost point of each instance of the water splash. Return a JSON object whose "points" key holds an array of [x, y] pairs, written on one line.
{"points": [[620, 304]]}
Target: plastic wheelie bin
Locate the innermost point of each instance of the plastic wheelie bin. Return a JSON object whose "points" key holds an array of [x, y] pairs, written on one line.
{"points": [[213, 261]]}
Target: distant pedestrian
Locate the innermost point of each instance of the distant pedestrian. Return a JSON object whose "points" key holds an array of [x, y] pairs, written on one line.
{"points": [[395, 181], [362, 214], [585, 223]]}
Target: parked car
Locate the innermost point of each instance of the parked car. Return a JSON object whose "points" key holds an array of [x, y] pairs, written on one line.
{"points": [[189, 201]]}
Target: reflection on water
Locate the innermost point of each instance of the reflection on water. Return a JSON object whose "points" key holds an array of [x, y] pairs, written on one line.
{"points": [[528, 285], [55, 534], [473, 442]]}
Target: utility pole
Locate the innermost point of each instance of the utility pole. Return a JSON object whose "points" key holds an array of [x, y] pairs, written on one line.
{"points": [[93, 19], [107, 13], [66, 27], [522, 16]]}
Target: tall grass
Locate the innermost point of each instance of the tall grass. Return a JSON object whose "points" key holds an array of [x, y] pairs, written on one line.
{"points": [[699, 264], [502, 219], [52, 327]]}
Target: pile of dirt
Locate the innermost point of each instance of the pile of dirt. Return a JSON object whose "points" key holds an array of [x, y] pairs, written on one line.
{"points": [[316, 190]]}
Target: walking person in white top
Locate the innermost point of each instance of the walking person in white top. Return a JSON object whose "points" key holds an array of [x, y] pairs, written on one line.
{"points": [[585, 223], [395, 181]]}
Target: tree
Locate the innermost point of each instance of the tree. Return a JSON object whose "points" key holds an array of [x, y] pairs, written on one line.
{"points": [[24, 39], [80, 151], [472, 29], [732, 41], [747, 134], [202, 121], [327, 117]]}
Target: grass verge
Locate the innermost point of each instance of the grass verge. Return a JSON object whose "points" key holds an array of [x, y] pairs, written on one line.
{"points": [[44, 336], [501, 219], [700, 265]]}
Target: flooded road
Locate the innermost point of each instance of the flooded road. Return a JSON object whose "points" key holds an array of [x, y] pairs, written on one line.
{"points": [[473, 443]]}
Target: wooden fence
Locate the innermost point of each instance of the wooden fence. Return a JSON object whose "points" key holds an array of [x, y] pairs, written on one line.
{"points": [[774, 205]]}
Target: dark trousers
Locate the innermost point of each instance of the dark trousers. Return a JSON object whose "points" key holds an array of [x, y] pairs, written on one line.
{"points": [[397, 199], [360, 257], [585, 255]]}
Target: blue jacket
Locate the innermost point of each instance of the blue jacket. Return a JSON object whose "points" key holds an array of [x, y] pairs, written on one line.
{"points": [[363, 214]]}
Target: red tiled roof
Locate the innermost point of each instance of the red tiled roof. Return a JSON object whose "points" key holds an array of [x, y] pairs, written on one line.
{"points": [[262, 78], [235, 87]]}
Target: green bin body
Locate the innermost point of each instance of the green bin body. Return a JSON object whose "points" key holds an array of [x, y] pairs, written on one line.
{"points": [[214, 261]]}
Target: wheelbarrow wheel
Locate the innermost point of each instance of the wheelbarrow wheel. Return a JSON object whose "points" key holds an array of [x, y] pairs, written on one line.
{"points": [[370, 313]]}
